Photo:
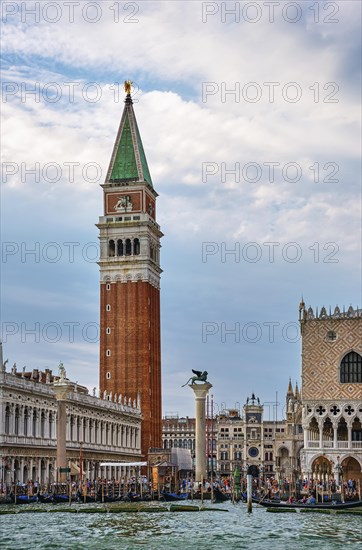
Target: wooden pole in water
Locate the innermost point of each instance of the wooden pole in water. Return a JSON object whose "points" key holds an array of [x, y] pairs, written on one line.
{"points": [[322, 482], [15, 487], [70, 489], [249, 482], [212, 447]]}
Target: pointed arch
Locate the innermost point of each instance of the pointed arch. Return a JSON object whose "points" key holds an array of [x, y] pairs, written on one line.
{"points": [[350, 371]]}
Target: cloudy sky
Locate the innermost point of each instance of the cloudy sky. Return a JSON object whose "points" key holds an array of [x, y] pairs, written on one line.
{"points": [[249, 115]]}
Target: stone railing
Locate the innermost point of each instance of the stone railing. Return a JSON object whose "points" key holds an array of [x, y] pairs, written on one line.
{"points": [[330, 445], [30, 441], [103, 447]]}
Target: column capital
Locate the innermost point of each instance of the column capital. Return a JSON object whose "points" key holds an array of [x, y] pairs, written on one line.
{"points": [[200, 390], [61, 390]]}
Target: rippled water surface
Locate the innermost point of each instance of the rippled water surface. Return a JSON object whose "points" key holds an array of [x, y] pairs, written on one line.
{"points": [[231, 529]]}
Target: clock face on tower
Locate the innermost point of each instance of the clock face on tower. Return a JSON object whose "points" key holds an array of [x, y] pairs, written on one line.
{"points": [[253, 452]]}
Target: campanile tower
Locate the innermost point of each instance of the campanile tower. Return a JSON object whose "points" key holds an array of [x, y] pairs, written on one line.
{"points": [[130, 346]]}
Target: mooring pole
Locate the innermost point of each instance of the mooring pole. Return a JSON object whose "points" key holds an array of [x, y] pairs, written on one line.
{"points": [[249, 490]]}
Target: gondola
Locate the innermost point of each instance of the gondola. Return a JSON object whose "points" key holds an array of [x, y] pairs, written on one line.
{"points": [[87, 498], [172, 497], [204, 496], [24, 499], [46, 498], [219, 496], [59, 497], [131, 497], [316, 506], [6, 499]]}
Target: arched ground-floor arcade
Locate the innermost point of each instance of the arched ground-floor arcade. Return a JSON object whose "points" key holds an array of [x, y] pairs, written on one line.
{"points": [[332, 465]]}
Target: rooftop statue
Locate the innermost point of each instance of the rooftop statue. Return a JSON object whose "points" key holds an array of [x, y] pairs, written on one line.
{"points": [[200, 377], [62, 373], [128, 86]]}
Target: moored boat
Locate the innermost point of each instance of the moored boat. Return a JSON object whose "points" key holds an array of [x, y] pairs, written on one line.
{"points": [[316, 506], [60, 497], [219, 496], [171, 497], [46, 498], [24, 499]]}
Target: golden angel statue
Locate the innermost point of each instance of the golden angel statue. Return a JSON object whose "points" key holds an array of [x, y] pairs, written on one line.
{"points": [[128, 86]]}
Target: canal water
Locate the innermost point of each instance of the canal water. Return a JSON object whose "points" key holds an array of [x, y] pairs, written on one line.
{"points": [[229, 530]]}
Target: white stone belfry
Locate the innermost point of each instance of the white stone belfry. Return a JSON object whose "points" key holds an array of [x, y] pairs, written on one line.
{"points": [[200, 391]]}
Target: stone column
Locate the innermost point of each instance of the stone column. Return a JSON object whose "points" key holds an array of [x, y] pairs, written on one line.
{"points": [[61, 390], [320, 424], [349, 431], [200, 391], [335, 428], [306, 437]]}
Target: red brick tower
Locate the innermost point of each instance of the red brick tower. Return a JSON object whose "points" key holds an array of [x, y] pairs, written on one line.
{"points": [[130, 346]]}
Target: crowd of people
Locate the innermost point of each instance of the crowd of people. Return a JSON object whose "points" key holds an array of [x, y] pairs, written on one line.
{"points": [[303, 490]]}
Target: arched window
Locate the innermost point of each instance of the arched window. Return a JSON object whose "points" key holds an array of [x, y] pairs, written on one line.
{"points": [[17, 415], [120, 247], [91, 435], [136, 247], [128, 247], [26, 421], [34, 423], [111, 248], [351, 368], [42, 424], [51, 420], [7, 420], [72, 426]]}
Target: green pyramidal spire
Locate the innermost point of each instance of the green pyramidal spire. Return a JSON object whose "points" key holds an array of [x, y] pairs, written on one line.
{"points": [[128, 161]]}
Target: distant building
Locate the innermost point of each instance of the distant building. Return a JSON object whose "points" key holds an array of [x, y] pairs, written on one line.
{"points": [[264, 447], [270, 447], [108, 429], [332, 392], [178, 432]]}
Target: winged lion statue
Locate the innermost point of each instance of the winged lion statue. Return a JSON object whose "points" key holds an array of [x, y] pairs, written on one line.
{"points": [[200, 377]]}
